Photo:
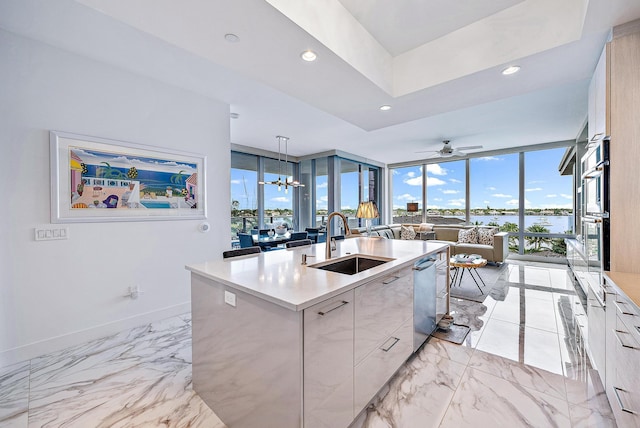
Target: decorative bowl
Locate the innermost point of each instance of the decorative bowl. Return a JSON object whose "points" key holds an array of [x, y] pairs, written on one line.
{"points": [[281, 230]]}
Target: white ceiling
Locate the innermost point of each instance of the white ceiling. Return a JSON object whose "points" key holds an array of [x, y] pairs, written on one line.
{"points": [[402, 25], [436, 62]]}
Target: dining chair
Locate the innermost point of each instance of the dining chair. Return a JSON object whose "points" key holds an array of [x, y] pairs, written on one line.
{"points": [[299, 243], [263, 232], [241, 252], [312, 233], [296, 236], [246, 240]]}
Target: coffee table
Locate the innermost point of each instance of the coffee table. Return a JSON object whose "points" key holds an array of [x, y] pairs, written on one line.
{"points": [[459, 267]]}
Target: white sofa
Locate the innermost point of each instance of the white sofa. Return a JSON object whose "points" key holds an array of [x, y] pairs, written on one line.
{"points": [[496, 253]]}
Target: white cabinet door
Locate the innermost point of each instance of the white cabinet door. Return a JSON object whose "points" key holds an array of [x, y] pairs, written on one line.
{"points": [[328, 363], [378, 367], [598, 99], [381, 306]]}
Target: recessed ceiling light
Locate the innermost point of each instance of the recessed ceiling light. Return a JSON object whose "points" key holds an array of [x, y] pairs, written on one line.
{"points": [[231, 38], [308, 55], [511, 69], [385, 107]]}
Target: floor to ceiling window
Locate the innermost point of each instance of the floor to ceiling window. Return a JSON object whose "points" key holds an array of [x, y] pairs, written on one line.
{"points": [[322, 192], [278, 200], [349, 190], [406, 189], [548, 204], [244, 195], [494, 193], [257, 206], [446, 190], [522, 193]]}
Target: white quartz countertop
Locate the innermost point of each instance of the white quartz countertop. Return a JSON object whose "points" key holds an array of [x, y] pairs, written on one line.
{"points": [[279, 277]]}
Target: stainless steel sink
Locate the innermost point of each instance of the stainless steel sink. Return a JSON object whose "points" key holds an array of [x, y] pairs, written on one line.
{"points": [[351, 265]]}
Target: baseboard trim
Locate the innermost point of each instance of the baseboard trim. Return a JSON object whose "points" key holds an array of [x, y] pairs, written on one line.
{"points": [[46, 346]]}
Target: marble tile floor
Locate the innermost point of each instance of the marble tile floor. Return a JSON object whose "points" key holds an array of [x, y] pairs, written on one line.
{"points": [[519, 366]]}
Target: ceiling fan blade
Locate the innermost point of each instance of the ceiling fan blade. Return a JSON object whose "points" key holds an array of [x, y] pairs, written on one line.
{"points": [[468, 148], [428, 151]]}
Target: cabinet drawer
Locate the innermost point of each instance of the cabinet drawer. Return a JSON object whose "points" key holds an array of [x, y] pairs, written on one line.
{"points": [[328, 362], [626, 385], [378, 367], [381, 306], [629, 316]]}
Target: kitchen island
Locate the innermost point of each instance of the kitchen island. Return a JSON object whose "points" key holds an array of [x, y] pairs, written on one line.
{"points": [[279, 343]]}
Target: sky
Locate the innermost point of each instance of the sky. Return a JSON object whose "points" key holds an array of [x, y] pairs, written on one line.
{"points": [[494, 183]]}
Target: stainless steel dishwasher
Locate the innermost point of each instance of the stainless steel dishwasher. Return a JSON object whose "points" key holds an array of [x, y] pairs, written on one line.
{"points": [[424, 300]]}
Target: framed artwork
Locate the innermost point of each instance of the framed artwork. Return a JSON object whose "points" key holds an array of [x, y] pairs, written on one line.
{"points": [[96, 180]]}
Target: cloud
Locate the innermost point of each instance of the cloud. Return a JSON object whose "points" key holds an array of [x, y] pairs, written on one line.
{"points": [[536, 181], [415, 181], [533, 189], [280, 199], [454, 180], [405, 197], [436, 169], [552, 195], [564, 195], [395, 171], [501, 195], [433, 181], [322, 185], [491, 188], [411, 174], [515, 202], [457, 202], [236, 182], [489, 158], [323, 199], [449, 191], [486, 202], [438, 199]]}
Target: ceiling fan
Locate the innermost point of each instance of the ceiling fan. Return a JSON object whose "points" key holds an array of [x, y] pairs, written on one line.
{"points": [[448, 151]]}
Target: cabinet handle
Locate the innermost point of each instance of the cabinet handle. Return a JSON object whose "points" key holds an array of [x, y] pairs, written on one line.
{"points": [[386, 348], [390, 279], [624, 409], [339, 305], [624, 345]]}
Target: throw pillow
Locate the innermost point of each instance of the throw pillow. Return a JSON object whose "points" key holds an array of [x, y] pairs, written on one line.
{"points": [[468, 236], [485, 235], [407, 232], [425, 227]]}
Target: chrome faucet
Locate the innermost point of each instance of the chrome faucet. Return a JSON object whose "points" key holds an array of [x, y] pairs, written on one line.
{"points": [[347, 232]]}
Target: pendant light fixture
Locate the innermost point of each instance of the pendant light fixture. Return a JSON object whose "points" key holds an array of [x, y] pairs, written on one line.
{"points": [[286, 183]]}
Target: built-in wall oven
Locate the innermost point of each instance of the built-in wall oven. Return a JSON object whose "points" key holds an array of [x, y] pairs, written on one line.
{"points": [[595, 238]]}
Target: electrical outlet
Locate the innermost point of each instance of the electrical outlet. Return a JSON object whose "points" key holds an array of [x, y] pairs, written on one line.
{"points": [[230, 298]]}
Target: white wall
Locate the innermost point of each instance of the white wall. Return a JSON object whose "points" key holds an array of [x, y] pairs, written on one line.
{"points": [[57, 293]]}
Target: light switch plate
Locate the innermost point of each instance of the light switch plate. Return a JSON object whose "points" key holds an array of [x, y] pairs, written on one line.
{"points": [[230, 298], [51, 233]]}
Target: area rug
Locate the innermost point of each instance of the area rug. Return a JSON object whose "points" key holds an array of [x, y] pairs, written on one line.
{"points": [[455, 333], [494, 278]]}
